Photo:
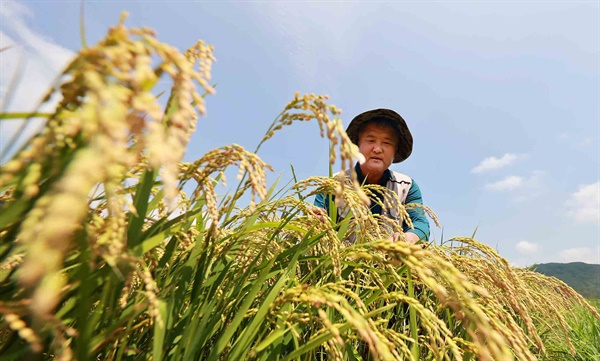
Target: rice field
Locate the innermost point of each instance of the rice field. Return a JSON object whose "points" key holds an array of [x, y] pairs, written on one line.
{"points": [[113, 248]]}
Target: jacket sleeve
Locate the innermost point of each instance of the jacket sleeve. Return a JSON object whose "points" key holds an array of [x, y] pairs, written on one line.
{"points": [[321, 201], [417, 215]]}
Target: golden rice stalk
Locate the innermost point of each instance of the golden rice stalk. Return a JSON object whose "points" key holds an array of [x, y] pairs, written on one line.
{"points": [[311, 106], [108, 119], [26, 333], [450, 287], [517, 295], [216, 161], [12, 261], [317, 297], [363, 222]]}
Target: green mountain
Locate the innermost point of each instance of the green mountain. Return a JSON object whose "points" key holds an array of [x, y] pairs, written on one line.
{"points": [[582, 277]]}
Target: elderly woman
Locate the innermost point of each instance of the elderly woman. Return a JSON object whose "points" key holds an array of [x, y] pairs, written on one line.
{"points": [[383, 138]]}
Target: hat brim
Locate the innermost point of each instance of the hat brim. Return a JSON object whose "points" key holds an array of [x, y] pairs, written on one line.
{"points": [[405, 143]]}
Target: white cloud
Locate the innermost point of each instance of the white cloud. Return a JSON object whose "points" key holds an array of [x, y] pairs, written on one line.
{"points": [[581, 254], [506, 184], [493, 163], [524, 188], [587, 142], [521, 188], [52, 57], [584, 205], [38, 60], [578, 140], [525, 247]]}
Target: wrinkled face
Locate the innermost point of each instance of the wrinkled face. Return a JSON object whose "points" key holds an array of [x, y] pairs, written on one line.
{"points": [[378, 144]]}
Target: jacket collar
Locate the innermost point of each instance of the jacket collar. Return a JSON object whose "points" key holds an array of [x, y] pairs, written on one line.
{"points": [[361, 178]]}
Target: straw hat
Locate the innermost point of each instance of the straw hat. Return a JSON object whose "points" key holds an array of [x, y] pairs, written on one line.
{"points": [[405, 142]]}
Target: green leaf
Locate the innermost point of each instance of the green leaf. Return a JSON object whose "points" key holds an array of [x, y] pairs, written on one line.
{"points": [[13, 212], [275, 335], [169, 249], [159, 331], [322, 338], [264, 225], [414, 328], [149, 243], [140, 202], [251, 330], [4, 116], [223, 341]]}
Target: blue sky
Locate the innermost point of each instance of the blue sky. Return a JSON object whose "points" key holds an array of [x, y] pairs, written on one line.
{"points": [[502, 98]]}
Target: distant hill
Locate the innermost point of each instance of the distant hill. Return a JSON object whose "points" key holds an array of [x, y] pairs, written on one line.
{"points": [[582, 277]]}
